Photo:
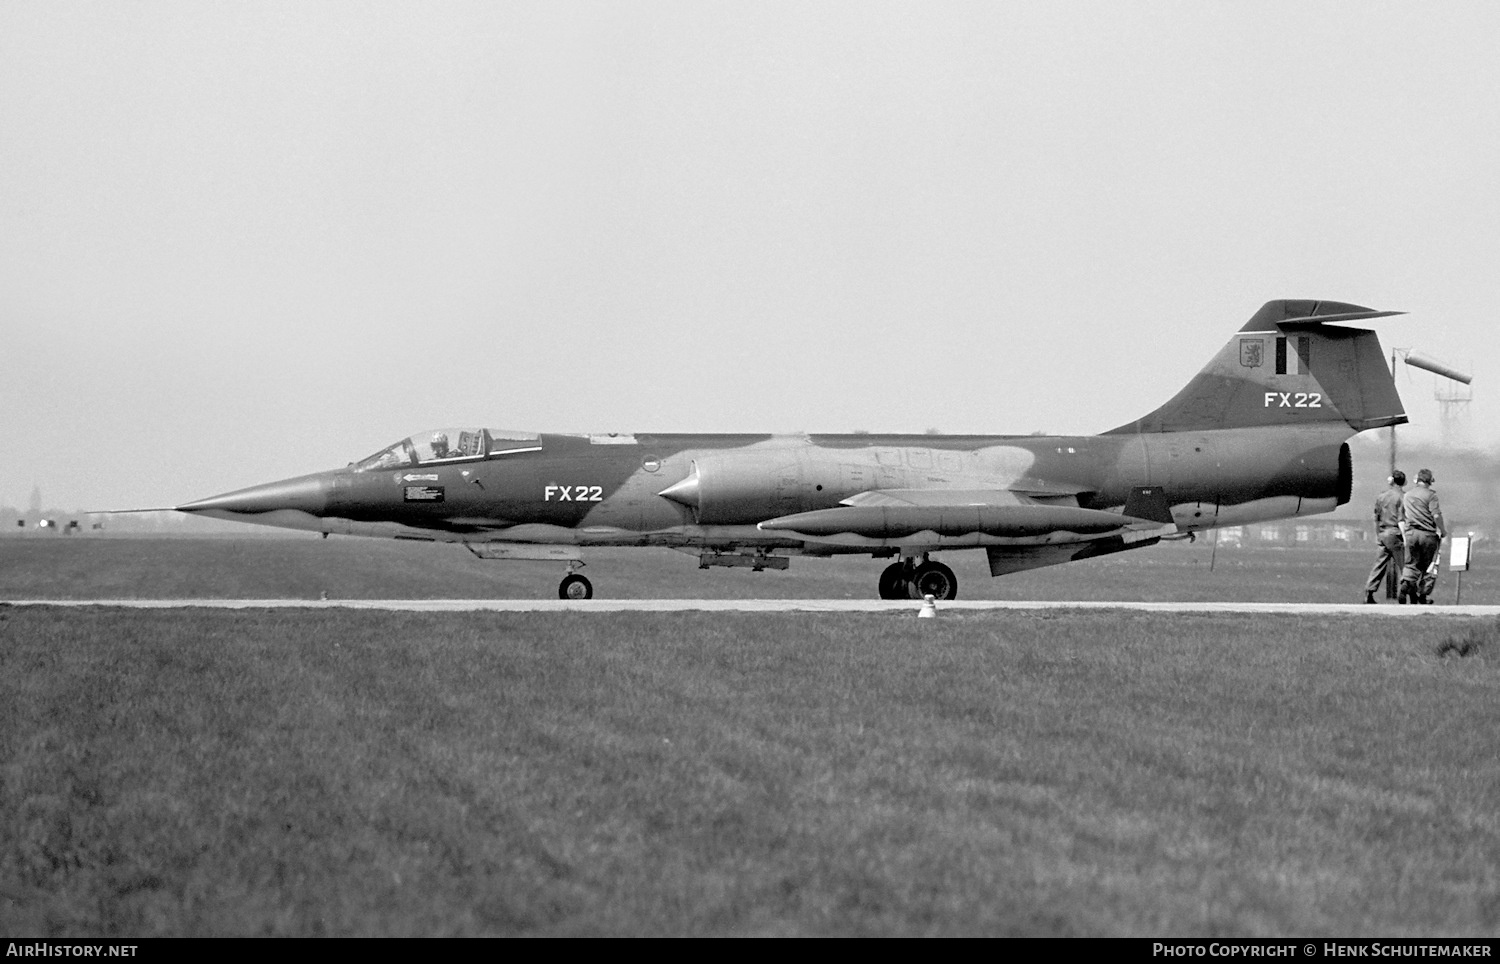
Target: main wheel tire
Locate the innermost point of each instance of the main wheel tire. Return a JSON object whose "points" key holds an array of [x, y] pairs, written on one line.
{"points": [[575, 586], [893, 582], [936, 580]]}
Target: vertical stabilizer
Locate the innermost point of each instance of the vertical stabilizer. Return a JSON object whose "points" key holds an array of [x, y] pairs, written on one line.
{"points": [[1289, 365]]}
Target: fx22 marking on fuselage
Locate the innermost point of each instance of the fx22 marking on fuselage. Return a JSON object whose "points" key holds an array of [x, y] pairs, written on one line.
{"points": [[1230, 448], [573, 493], [1294, 400]]}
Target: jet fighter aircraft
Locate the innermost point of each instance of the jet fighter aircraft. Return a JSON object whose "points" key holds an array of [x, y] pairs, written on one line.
{"points": [[1259, 434]]}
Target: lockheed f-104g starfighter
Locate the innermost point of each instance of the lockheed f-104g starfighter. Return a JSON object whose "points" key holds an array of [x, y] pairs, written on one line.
{"points": [[1259, 434]]}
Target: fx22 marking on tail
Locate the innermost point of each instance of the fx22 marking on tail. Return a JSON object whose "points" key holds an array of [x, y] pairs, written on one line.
{"points": [[1294, 400]]}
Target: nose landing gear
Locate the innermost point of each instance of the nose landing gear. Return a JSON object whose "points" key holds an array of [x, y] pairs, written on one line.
{"points": [[913, 579], [575, 586]]}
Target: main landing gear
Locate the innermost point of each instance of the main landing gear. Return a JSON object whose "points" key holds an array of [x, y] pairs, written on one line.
{"points": [[575, 586], [916, 579]]}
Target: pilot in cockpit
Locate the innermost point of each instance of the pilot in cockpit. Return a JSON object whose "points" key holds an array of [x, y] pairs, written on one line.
{"points": [[439, 445]]}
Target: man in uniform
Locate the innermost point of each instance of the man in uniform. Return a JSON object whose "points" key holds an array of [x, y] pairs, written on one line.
{"points": [[1424, 533], [1388, 523]]}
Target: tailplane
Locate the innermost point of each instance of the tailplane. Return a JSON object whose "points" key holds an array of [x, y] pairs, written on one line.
{"points": [[1291, 364]]}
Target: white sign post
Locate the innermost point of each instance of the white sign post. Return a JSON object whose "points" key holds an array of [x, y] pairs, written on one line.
{"points": [[1458, 562]]}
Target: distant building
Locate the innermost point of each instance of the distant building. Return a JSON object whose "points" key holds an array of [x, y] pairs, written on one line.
{"points": [[1313, 533]]}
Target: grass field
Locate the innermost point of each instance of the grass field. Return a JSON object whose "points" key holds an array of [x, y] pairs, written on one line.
{"points": [[273, 772], [1046, 773]]}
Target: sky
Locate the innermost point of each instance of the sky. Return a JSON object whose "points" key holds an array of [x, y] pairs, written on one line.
{"points": [[242, 242]]}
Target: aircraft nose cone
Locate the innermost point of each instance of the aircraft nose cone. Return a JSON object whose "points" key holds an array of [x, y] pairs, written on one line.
{"points": [[309, 493]]}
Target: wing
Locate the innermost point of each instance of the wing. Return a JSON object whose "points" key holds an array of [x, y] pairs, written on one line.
{"points": [[1018, 528], [949, 518], [1033, 495]]}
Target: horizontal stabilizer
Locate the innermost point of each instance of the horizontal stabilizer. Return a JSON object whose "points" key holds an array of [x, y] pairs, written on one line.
{"points": [[1296, 323], [1286, 313]]}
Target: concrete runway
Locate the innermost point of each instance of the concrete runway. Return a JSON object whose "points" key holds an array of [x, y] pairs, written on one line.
{"points": [[763, 606]]}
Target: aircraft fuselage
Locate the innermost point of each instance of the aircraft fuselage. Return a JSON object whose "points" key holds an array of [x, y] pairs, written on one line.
{"points": [[576, 490], [1259, 434]]}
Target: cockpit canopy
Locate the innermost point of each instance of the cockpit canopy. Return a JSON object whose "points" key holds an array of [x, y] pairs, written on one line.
{"points": [[450, 445]]}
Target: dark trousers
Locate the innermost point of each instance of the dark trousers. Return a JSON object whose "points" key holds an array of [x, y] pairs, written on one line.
{"points": [[1392, 555], [1421, 549]]}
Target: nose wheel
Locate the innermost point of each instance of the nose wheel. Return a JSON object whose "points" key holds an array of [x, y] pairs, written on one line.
{"points": [[575, 586]]}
